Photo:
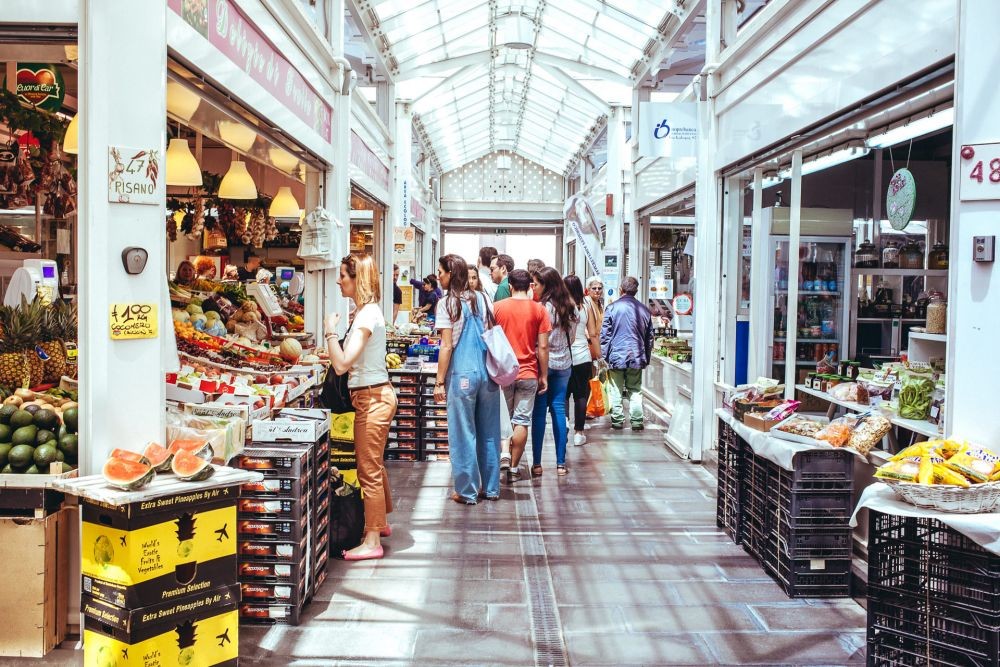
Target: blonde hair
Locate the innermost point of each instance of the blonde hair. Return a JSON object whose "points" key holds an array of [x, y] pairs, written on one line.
{"points": [[364, 273]]}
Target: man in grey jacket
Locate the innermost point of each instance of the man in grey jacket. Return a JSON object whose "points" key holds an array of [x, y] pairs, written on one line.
{"points": [[626, 344]]}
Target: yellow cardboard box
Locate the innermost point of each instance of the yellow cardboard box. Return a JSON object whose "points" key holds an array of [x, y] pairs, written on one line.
{"points": [[196, 631], [151, 552]]}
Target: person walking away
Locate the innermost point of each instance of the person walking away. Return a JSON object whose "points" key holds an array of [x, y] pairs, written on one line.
{"points": [[363, 359], [397, 294], [526, 325], [626, 344], [428, 298], [499, 270], [486, 255], [584, 349], [550, 291], [464, 385]]}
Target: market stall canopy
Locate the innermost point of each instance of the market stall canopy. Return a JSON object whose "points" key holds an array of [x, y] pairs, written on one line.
{"points": [[531, 77]]}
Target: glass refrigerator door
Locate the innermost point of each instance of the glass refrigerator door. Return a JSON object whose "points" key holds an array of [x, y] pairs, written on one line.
{"points": [[819, 317]]}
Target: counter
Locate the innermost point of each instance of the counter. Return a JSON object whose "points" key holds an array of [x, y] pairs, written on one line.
{"points": [[666, 386]]}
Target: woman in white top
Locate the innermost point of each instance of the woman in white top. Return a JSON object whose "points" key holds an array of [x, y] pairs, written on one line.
{"points": [[363, 357], [584, 348]]}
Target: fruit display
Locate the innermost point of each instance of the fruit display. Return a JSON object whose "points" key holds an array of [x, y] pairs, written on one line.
{"points": [[187, 459], [393, 360], [127, 475], [224, 352], [190, 467], [158, 456], [290, 350], [943, 462], [34, 435], [32, 342]]}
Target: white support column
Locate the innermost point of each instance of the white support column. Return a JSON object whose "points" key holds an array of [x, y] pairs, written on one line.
{"points": [[760, 322], [794, 235], [121, 382], [615, 172], [973, 287], [402, 193], [732, 244], [314, 302]]}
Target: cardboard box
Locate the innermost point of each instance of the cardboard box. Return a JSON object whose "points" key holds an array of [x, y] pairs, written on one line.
{"points": [[285, 429], [38, 572], [156, 551], [268, 552], [284, 462], [197, 630], [756, 420]]}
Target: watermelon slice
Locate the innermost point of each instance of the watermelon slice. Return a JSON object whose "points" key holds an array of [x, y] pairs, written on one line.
{"points": [[199, 448], [127, 475], [158, 456], [126, 455], [191, 468]]}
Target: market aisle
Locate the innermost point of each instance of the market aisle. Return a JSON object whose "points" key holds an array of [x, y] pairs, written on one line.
{"points": [[626, 567]]}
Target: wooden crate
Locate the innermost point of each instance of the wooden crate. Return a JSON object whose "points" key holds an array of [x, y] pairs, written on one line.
{"points": [[38, 574]]}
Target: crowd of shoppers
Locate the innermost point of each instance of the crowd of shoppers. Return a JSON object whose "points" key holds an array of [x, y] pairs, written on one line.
{"points": [[558, 331]]}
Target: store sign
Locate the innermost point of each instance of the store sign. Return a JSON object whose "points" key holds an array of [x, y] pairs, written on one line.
{"points": [[231, 31], [901, 199], [134, 176], [404, 245], [404, 204], [128, 321], [660, 286], [416, 210], [368, 162], [980, 172], [41, 85], [683, 304], [610, 274], [580, 216], [668, 129]]}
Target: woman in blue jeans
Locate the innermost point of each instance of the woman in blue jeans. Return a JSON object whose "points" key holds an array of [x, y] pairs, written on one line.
{"points": [[473, 399], [550, 291]]}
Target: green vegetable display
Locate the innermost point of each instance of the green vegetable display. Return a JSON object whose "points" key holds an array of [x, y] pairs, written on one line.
{"points": [[915, 396]]}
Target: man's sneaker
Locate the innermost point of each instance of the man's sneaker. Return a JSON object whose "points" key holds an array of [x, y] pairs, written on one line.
{"points": [[637, 428], [579, 439], [617, 427]]}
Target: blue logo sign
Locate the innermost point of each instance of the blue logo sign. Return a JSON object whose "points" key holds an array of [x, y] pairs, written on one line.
{"points": [[662, 126]]}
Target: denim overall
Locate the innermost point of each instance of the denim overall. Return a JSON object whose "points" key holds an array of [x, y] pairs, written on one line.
{"points": [[473, 412]]}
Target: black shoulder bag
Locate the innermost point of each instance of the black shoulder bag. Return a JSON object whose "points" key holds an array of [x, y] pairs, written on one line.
{"points": [[335, 396]]}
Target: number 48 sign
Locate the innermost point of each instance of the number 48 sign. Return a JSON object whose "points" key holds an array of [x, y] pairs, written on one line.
{"points": [[980, 172]]}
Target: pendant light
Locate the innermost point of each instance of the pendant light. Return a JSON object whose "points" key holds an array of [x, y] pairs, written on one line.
{"points": [[237, 183], [71, 140], [182, 101], [283, 160], [182, 167], [284, 204], [237, 135]]}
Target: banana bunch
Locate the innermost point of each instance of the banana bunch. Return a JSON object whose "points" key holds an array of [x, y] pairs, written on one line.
{"points": [[393, 360]]}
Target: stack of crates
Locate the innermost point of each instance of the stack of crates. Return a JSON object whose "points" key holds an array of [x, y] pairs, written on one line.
{"points": [[403, 443], [933, 595], [729, 500], [283, 523], [433, 423], [795, 523]]}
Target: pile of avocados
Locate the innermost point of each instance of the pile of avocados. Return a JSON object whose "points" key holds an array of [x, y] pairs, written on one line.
{"points": [[32, 438]]}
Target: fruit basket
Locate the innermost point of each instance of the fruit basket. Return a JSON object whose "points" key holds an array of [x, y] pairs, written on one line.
{"points": [[977, 499]]}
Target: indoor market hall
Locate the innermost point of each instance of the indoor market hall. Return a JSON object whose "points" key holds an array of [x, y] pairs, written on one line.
{"points": [[499, 333]]}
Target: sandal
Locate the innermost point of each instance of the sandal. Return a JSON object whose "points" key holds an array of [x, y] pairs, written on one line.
{"points": [[562, 470], [536, 471], [462, 501]]}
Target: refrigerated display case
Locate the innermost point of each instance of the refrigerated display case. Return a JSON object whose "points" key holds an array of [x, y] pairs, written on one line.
{"points": [[821, 314]]}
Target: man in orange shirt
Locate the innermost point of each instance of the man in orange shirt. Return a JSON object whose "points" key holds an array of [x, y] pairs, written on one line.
{"points": [[526, 325]]}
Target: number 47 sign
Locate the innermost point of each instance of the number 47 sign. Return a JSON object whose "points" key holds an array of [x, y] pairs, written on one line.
{"points": [[133, 320], [980, 172]]}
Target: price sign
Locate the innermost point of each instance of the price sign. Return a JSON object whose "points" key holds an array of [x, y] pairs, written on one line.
{"points": [[980, 172], [133, 320], [683, 304]]}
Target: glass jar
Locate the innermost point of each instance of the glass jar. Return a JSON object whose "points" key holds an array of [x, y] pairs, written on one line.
{"points": [[890, 256], [937, 258], [911, 256], [866, 256], [937, 314]]}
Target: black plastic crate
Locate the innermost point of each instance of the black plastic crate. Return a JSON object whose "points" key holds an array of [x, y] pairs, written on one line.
{"points": [[729, 500], [816, 508], [925, 557], [918, 630], [814, 578], [821, 467]]}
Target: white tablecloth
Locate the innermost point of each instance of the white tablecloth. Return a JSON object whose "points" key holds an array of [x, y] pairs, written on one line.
{"points": [[983, 529], [773, 449]]}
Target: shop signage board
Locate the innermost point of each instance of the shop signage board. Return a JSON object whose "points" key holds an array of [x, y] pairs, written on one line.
{"points": [[231, 31], [581, 218], [668, 129], [134, 176], [609, 275], [901, 199], [404, 206], [660, 287], [365, 159], [404, 245], [128, 321], [683, 304], [979, 172], [40, 85]]}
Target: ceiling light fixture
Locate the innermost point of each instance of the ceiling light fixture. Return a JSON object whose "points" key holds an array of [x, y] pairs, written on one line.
{"points": [[237, 183], [182, 101], [71, 140], [182, 167], [237, 135], [284, 204], [283, 160]]}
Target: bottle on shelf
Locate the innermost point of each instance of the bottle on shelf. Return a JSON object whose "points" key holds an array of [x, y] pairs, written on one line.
{"points": [[866, 256], [890, 256]]}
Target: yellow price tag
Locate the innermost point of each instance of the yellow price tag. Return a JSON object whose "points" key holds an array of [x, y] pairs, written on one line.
{"points": [[133, 320]]}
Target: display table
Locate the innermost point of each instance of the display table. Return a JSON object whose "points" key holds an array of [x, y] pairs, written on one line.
{"points": [[667, 385]]}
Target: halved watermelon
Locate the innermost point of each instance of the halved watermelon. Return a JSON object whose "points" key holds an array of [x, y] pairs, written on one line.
{"points": [[199, 448], [159, 457], [127, 475], [126, 455], [191, 468]]}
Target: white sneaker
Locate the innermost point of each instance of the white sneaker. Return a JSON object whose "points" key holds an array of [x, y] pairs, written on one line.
{"points": [[579, 439]]}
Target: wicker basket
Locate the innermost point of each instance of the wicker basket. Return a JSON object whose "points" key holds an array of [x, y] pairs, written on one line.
{"points": [[976, 499]]}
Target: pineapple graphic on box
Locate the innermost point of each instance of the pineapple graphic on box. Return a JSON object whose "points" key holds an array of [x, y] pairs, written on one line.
{"points": [[104, 552], [186, 638], [186, 570]]}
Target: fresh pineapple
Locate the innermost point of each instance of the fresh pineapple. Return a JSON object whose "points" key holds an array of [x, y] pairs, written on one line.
{"points": [[51, 341], [14, 370]]}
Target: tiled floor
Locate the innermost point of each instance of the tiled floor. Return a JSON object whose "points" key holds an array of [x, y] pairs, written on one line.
{"points": [[626, 567]]}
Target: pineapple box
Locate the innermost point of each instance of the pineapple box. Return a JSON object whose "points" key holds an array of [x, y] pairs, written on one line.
{"points": [[159, 550], [200, 630]]}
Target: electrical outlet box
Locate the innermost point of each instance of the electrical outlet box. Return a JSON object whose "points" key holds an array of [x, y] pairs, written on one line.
{"points": [[983, 248]]}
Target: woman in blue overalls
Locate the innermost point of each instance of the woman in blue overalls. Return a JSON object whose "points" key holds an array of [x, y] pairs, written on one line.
{"points": [[473, 399]]}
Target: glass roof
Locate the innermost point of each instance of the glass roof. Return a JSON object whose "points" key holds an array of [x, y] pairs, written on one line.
{"points": [[528, 76]]}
